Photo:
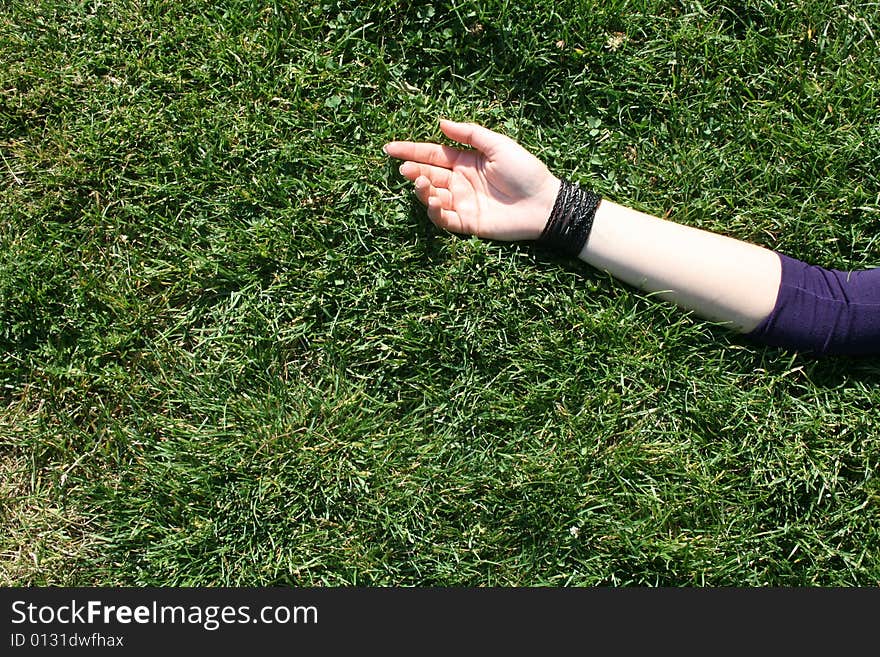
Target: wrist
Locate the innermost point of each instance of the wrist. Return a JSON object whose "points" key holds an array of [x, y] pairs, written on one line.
{"points": [[571, 219], [545, 200]]}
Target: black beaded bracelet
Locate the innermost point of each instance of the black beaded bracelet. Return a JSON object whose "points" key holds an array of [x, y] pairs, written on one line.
{"points": [[571, 219]]}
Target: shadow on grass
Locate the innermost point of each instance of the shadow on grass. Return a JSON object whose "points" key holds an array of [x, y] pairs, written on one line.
{"points": [[429, 244], [824, 371]]}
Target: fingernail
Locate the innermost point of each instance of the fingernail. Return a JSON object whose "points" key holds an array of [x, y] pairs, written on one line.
{"points": [[400, 168], [385, 149]]}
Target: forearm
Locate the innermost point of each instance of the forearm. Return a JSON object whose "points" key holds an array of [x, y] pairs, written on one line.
{"points": [[718, 277]]}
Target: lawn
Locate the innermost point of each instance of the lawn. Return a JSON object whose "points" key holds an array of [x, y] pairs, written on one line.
{"points": [[234, 351]]}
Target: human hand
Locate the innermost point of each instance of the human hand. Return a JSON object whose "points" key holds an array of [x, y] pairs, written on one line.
{"points": [[496, 190]]}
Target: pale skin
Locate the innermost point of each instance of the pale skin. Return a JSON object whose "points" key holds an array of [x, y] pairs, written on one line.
{"points": [[495, 189]]}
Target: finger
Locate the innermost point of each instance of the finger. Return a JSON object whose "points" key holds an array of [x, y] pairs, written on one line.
{"points": [[438, 176], [435, 154], [423, 189], [472, 134], [426, 193], [444, 218], [444, 196]]}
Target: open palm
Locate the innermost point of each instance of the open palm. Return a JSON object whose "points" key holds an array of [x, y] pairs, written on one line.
{"points": [[496, 190]]}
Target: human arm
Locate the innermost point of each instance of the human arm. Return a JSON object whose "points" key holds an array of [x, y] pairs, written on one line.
{"points": [[498, 190]]}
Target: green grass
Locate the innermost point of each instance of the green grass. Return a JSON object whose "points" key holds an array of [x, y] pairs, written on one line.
{"points": [[233, 350]]}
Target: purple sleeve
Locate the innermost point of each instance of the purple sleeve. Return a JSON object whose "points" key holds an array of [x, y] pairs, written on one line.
{"points": [[824, 310]]}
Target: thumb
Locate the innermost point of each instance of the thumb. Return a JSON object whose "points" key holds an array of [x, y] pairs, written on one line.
{"points": [[483, 139]]}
